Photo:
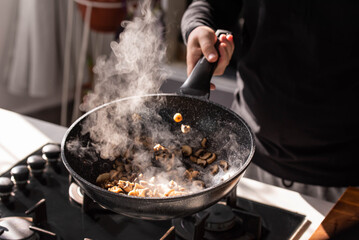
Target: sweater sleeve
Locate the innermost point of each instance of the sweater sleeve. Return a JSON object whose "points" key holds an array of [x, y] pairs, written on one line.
{"points": [[212, 13]]}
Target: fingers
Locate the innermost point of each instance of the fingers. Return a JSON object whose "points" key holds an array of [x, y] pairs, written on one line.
{"points": [[226, 49], [201, 42], [212, 87]]}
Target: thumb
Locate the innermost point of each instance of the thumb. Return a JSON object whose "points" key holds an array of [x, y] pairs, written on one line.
{"points": [[208, 49]]}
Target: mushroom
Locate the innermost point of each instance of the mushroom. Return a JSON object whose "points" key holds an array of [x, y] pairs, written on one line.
{"points": [[214, 169], [186, 150], [223, 164], [103, 177], [187, 175], [194, 174], [126, 185], [193, 159], [116, 189], [212, 158], [206, 155], [204, 143], [199, 152], [185, 128], [114, 175], [201, 162], [143, 192], [158, 147]]}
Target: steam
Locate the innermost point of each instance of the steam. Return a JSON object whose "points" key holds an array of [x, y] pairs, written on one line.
{"points": [[135, 68]]}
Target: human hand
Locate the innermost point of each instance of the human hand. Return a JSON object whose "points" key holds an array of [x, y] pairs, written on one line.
{"points": [[201, 41]]}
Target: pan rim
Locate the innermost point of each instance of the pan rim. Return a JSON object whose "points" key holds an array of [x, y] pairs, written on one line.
{"points": [[157, 199]]}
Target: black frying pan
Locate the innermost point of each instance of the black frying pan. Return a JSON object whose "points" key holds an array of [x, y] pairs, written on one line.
{"points": [[229, 135]]}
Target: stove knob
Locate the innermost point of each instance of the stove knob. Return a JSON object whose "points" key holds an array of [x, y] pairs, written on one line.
{"points": [[51, 151], [6, 187], [36, 164], [20, 175]]}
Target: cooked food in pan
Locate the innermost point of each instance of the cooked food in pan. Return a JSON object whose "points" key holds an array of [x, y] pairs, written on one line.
{"points": [[127, 178]]}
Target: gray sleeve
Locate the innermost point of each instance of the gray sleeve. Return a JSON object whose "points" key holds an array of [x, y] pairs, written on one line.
{"points": [[214, 14]]}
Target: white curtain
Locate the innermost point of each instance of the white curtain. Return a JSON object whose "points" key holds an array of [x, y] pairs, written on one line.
{"points": [[33, 46]]}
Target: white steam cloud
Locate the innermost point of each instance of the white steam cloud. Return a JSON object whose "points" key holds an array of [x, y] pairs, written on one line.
{"points": [[136, 66]]}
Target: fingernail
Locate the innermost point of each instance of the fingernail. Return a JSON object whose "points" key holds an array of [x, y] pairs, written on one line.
{"points": [[211, 56]]}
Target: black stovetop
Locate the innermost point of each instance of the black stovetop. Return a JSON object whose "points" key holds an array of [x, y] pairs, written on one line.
{"points": [[68, 221]]}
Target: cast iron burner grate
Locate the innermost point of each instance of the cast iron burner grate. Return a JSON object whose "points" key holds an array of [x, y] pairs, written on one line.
{"points": [[219, 222]]}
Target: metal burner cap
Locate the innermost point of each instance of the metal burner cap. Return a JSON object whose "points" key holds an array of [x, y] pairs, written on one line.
{"points": [[16, 228], [221, 218]]}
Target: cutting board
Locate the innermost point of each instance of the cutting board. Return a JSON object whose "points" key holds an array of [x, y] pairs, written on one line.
{"points": [[344, 216]]}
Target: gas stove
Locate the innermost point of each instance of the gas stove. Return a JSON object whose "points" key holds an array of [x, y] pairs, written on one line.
{"points": [[40, 201]]}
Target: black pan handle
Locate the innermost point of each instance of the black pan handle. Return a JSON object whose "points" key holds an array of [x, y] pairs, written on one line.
{"points": [[198, 82]]}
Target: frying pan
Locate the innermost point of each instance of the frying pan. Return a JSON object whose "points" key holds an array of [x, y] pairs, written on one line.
{"points": [[230, 136]]}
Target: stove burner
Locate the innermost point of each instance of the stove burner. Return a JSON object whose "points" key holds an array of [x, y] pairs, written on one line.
{"points": [[76, 194], [219, 222], [16, 228], [221, 218]]}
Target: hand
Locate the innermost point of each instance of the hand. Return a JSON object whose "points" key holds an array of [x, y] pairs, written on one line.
{"points": [[201, 42]]}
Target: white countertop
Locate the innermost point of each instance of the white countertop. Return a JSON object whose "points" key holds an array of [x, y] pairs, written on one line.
{"points": [[20, 136]]}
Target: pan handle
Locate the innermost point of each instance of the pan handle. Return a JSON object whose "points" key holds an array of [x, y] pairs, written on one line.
{"points": [[198, 82]]}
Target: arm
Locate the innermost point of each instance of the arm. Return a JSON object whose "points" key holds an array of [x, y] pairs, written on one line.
{"points": [[198, 25]]}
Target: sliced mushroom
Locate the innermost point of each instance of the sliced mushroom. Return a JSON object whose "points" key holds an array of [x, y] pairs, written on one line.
{"points": [[206, 155], [201, 162], [212, 158], [199, 152], [185, 128], [158, 147], [115, 189], [133, 192], [108, 185], [193, 159], [187, 175], [194, 174], [126, 185], [138, 186], [214, 169], [114, 175], [186, 150], [103, 178], [223, 164], [143, 192], [204, 143]]}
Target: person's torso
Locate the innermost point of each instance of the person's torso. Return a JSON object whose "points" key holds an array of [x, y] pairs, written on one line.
{"points": [[300, 66]]}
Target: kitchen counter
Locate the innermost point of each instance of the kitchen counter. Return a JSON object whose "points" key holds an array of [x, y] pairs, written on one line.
{"points": [[20, 136]]}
